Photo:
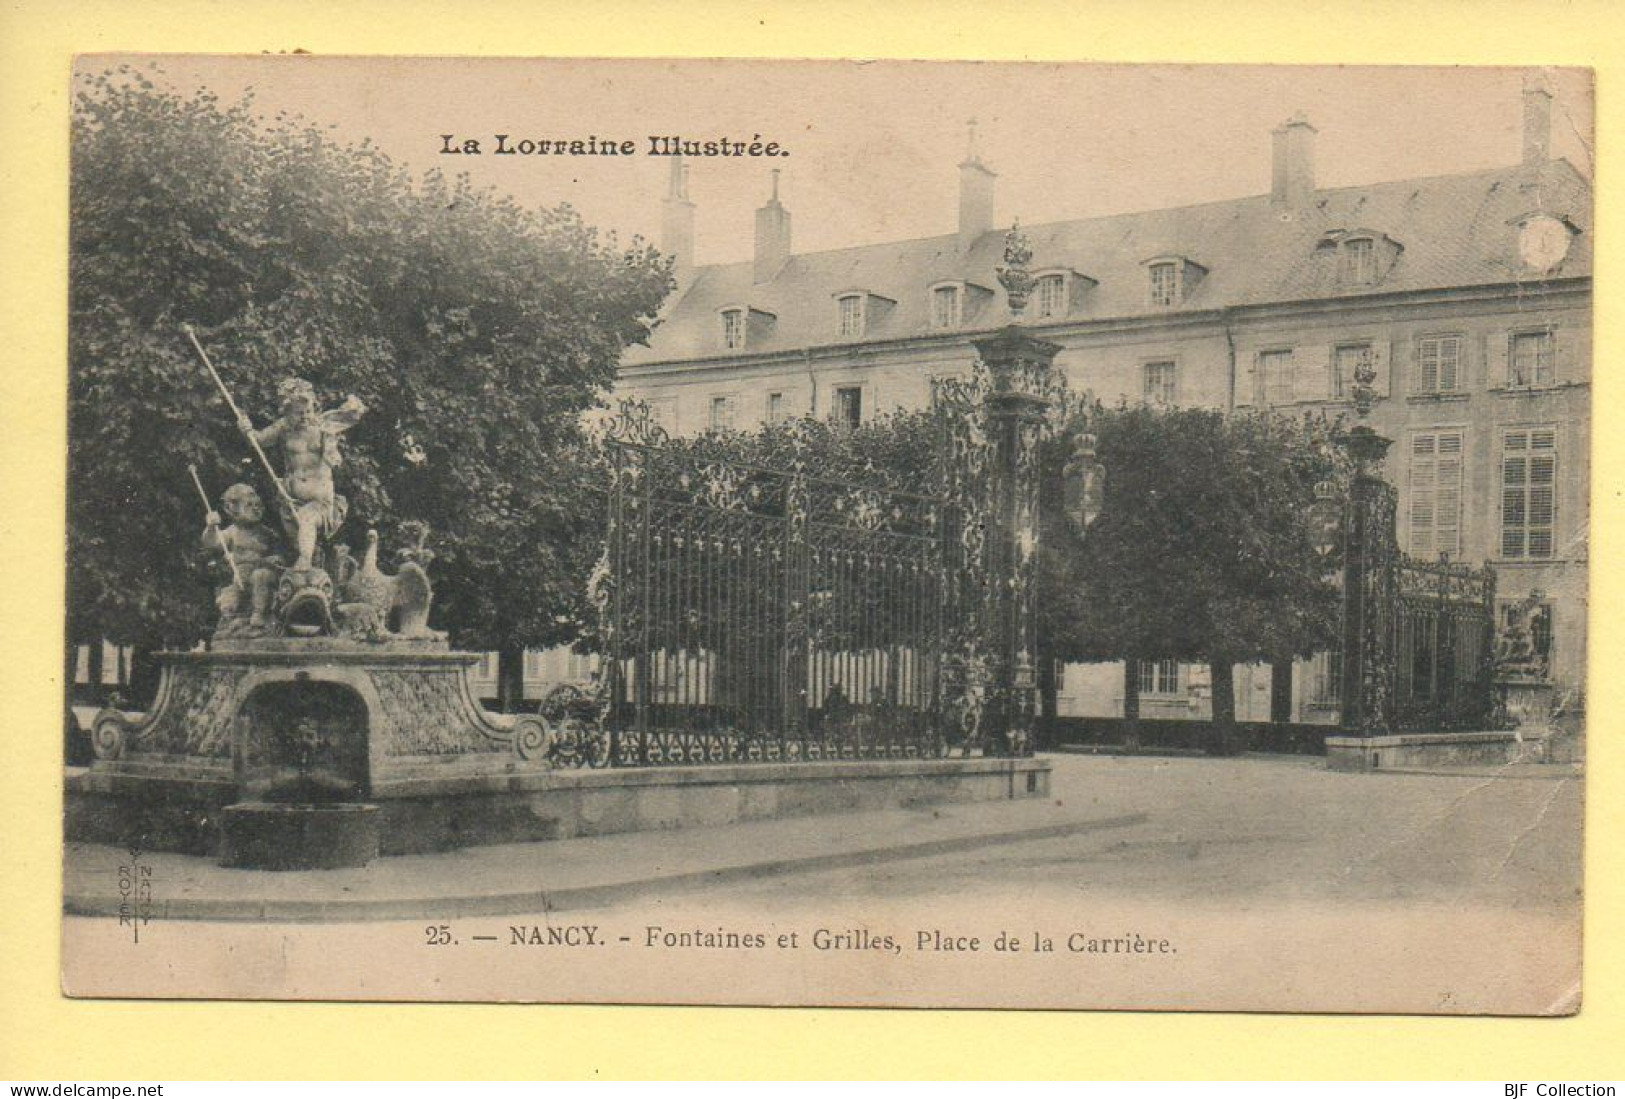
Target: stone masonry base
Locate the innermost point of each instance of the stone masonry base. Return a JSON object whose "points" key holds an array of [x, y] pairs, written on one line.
{"points": [[1412, 751], [439, 813]]}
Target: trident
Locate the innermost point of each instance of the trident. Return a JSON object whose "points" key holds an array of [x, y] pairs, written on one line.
{"points": [[236, 577], [224, 392]]}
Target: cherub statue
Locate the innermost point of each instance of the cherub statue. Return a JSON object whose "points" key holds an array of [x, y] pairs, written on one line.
{"points": [[1515, 650], [253, 552]]}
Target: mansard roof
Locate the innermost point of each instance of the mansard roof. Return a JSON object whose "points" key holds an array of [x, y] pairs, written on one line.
{"points": [[1455, 231]]}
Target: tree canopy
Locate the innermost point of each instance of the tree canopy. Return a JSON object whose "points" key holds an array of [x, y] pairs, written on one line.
{"points": [[476, 332], [1202, 550]]}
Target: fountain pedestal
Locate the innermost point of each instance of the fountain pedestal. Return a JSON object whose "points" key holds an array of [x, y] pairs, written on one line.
{"points": [[274, 752]]}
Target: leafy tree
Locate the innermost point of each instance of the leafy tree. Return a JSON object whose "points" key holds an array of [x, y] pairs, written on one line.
{"points": [[1202, 550], [476, 331]]}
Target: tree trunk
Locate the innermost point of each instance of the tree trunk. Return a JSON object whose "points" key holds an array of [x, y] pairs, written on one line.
{"points": [[142, 687], [1048, 701], [76, 746], [510, 678], [1224, 741], [93, 671], [1131, 703], [1281, 691]]}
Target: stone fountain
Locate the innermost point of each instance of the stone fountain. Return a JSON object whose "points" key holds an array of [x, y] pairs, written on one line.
{"points": [[325, 721]]}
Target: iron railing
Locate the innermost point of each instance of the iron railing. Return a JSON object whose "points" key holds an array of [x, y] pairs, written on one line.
{"points": [[766, 614]]}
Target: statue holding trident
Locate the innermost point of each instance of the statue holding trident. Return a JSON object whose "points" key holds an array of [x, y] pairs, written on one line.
{"points": [[311, 509]]}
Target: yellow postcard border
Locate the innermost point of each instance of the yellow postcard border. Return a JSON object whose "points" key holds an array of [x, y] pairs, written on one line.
{"points": [[43, 1035]]}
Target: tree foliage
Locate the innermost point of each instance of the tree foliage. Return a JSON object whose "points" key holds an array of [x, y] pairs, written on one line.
{"points": [[475, 330], [1202, 550]]}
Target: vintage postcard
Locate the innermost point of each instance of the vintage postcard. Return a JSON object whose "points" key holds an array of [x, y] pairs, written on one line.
{"points": [[828, 533]]}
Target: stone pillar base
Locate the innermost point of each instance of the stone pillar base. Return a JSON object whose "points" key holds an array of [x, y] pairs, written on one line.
{"points": [[1421, 751]]}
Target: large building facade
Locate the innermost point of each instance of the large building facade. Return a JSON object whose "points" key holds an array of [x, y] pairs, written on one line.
{"points": [[1469, 294]]}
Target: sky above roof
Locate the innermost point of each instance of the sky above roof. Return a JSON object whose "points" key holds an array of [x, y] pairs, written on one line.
{"points": [[874, 147]]}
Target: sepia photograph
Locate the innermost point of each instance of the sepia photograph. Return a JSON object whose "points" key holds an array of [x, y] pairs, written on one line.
{"points": [[822, 533]]}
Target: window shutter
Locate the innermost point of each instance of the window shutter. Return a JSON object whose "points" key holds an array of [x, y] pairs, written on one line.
{"points": [[1452, 364], [1246, 380], [1380, 359], [1497, 370], [1572, 347], [1312, 372], [1423, 485], [1514, 478], [1447, 494], [1542, 492]]}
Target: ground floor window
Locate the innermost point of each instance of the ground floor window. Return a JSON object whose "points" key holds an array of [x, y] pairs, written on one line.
{"points": [[1159, 677], [1326, 679]]}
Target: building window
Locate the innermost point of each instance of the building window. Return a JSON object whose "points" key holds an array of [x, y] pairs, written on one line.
{"points": [[1528, 493], [1346, 359], [1159, 677], [1435, 493], [851, 307], [535, 664], [722, 414], [1159, 384], [1360, 261], [1049, 296], [1438, 364], [945, 307], [775, 408], [1164, 283], [849, 405], [1529, 359], [1326, 679], [733, 329], [1275, 382]]}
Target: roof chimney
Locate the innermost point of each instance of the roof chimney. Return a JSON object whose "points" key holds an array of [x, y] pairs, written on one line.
{"points": [[1537, 120], [772, 236], [1293, 179], [975, 194], [677, 221]]}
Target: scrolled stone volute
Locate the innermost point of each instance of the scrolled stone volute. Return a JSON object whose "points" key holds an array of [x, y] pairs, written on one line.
{"points": [[109, 734], [532, 738]]}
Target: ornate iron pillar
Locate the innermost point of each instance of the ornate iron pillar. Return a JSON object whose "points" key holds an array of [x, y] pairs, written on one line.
{"points": [[1368, 559], [1019, 371]]}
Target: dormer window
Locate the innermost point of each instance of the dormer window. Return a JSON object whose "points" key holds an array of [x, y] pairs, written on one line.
{"points": [[733, 329], [1059, 292], [1049, 296], [744, 326], [851, 315], [1166, 286], [1360, 261], [859, 312], [1363, 256], [1171, 279], [947, 306]]}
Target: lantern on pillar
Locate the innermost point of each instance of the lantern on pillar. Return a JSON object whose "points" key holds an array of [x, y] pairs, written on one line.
{"points": [[1325, 519], [1015, 275], [1084, 482]]}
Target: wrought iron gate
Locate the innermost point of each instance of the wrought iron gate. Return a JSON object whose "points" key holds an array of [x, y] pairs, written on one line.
{"points": [[765, 614], [1418, 636], [1444, 646]]}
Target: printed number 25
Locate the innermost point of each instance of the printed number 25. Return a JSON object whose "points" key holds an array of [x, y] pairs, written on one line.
{"points": [[437, 934]]}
